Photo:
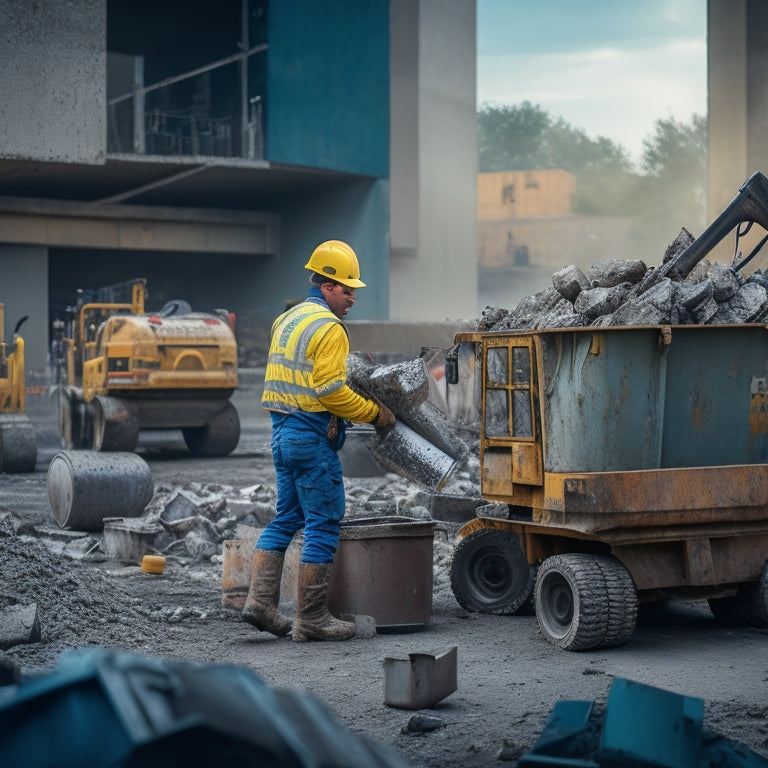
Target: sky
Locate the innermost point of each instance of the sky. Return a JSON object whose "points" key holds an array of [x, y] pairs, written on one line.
{"points": [[609, 67]]}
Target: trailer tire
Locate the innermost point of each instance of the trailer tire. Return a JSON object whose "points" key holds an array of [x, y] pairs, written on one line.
{"points": [[622, 602], [219, 437], [747, 608], [572, 602], [489, 573]]}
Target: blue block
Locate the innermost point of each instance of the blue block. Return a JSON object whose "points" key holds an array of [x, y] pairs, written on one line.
{"points": [[648, 727]]}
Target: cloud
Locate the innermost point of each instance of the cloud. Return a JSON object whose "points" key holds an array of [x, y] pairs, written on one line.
{"points": [[616, 85], [559, 26]]}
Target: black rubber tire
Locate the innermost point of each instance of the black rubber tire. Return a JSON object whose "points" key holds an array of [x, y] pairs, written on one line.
{"points": [[571, 602], [622, 602], [75, 428], [219, 437], [113, 428], [747, 608], [489, 573]]}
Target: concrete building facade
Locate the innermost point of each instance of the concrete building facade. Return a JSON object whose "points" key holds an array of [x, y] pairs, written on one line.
{"points": [[209, 146]]}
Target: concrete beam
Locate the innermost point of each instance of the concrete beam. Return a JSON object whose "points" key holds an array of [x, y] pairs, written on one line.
{"points": [[56, 223]]}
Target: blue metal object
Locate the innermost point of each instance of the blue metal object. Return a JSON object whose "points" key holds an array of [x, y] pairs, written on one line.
{"points": [[100, 709], [642, 727], [647, 726]]}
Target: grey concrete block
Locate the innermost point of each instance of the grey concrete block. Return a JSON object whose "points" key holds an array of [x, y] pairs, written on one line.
{"points": [[19, 624]]}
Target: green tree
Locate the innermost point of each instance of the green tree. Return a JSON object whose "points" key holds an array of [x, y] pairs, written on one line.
{"points": [[525, 137], [510, 137], [672, 190]]}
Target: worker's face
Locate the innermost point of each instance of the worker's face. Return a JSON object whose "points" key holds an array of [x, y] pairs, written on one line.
{"points": [[340, 298]]}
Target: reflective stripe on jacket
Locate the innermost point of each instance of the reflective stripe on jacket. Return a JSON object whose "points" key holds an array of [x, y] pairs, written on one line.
{"points": [[306, 368]]}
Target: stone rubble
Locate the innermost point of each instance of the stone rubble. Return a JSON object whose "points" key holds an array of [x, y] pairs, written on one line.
{"points": [[617, 292]]}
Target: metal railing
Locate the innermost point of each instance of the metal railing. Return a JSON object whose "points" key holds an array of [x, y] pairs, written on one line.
{"points": [[135, 125]]}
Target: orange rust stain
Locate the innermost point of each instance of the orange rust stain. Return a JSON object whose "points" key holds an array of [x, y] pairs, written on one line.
{"points": [[758, 414]]}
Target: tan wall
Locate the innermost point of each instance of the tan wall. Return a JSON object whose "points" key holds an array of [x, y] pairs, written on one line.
{"points": [[554, 241], [510, 194]]}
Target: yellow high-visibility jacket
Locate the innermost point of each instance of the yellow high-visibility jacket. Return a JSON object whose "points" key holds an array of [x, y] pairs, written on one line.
{"points": [[307, 366]]}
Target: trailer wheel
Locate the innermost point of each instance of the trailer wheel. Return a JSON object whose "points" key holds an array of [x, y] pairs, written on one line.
{"points": [[622, 602], [747, 608], [489, 573], [218, 437], [573, 607]]}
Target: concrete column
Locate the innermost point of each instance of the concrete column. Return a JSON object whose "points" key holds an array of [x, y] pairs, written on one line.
{"points": [[25, 269], [738, 106], [434, 236]]}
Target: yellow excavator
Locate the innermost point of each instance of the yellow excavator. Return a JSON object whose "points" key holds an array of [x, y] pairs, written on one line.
{"points": [[126, 370], [18, 439]]}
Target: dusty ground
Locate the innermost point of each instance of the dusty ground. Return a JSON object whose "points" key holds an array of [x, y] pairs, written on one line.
{"points": [[509, 678]]}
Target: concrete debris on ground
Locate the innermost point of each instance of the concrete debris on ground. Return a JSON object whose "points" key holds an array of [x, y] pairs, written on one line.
{"points": [[19, 624], [188, 524], [617, 292]]}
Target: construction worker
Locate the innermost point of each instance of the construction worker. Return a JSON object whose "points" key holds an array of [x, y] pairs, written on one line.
{"points": [[306, 392]]}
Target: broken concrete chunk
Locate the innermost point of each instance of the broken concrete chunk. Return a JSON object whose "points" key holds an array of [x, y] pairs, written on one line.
{"points": [[181, 505], [725, 282], [595, 302], [569, 282], [683, 240], [608, 273], [748, 305], [19, 624], [692, 296]]}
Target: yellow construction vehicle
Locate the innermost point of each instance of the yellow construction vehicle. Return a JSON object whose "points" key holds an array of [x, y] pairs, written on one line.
{"points": [[126, 371], [18, 440]]}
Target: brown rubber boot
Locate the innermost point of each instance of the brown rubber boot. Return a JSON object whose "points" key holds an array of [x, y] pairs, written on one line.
{"points": [[264, 593], [313, 620]]}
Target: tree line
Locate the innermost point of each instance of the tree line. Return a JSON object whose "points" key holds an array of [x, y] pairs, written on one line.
{"points": [[666, 192]]}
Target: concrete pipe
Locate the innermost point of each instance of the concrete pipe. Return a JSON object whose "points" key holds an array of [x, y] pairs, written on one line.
{"points": [[18, 444], [84, 487]]}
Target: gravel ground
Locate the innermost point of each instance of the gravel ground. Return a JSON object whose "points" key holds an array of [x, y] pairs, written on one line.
{"points": [[509, 677]]}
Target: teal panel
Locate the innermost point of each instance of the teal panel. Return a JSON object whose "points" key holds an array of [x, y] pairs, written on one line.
{"points": [[712, 377], [328, 85], [635, 711], [356, 212], [620, 399], [603, 400]]}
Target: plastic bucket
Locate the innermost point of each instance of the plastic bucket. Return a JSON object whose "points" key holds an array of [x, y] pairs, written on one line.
{"points": [[84, 487]]}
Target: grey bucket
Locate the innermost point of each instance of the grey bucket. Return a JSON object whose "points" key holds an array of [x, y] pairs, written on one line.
{"points": [[84, 487], [407, 453]]}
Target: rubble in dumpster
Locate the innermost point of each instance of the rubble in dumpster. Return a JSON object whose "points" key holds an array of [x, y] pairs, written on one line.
{"points": [[615, 292]]}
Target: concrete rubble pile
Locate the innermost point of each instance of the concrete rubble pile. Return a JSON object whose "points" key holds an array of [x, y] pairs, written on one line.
{"points": [[617, 292]]}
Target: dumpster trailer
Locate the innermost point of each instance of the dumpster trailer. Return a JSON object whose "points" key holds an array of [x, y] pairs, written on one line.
{"points": [[633, 462]]}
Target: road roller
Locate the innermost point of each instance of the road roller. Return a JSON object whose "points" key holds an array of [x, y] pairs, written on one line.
{"points": [[18, 439], [125, 370]]}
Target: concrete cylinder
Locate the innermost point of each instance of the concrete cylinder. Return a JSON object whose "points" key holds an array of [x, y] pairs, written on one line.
{"points": [[405, 452], [18, 444], [84, 487]]}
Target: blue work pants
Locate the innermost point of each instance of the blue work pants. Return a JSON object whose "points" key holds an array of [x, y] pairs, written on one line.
{"points": [[310, 493]]}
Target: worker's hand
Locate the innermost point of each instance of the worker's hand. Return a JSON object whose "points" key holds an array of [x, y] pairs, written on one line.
{"points": [[385, 420]]}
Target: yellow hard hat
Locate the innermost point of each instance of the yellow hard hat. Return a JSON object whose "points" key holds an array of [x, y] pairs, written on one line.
{"points": [[335, 260]]}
